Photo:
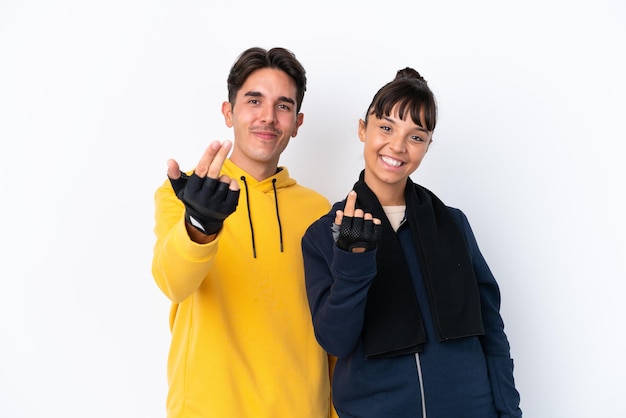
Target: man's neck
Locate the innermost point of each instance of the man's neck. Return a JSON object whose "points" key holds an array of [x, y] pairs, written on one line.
{"points": [[258, 171]]}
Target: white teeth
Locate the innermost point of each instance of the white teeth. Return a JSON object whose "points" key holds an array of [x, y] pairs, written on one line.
{"points": [[391, 161]]}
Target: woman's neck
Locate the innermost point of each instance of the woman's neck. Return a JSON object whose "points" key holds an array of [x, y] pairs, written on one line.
{"points": [[388, 195]]}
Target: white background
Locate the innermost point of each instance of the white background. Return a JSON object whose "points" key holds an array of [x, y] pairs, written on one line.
{"points": [[96, 96]]}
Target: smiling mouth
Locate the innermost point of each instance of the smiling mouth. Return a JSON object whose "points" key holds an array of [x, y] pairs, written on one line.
{"points": [[391, 161], [266, 134]]}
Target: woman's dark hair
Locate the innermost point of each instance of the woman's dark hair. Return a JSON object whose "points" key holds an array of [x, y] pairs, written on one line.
{"points": [[256, 58], [411, 93]]}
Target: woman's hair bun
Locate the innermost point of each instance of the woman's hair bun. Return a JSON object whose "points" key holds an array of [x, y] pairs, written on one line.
{"points": [[409, 74]]}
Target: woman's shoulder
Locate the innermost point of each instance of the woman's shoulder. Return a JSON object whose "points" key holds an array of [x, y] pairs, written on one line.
{"points": [[459, 217], [325, 221]]}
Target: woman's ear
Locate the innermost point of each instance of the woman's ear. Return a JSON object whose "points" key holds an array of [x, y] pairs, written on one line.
{"points": [[361, 130]]}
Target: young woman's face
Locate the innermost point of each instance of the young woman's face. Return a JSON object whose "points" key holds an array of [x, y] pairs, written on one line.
{"points": [[393, 149]]}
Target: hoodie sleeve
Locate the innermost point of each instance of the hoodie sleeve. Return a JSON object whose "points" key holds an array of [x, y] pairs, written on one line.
{"points": [[179, 265], [337, 282], [495, 342]]}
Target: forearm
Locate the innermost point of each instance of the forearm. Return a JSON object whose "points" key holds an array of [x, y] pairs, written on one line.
{"points": [[179, 265], [337, 295], [494, 342]]}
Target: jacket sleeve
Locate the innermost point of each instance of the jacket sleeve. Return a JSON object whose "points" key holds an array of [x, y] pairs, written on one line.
{"points": [[179, 265], [495, 342], [337, 282]]}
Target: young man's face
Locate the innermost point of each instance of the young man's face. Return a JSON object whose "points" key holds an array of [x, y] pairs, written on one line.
{"points": [[263, 119]]}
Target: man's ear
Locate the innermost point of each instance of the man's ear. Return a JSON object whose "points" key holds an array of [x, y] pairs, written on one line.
{"points": [[299, 121], [227, 111]]}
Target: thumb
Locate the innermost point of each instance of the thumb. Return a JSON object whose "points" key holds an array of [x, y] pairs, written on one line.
{"points": [[173, 169], [338, 217]]}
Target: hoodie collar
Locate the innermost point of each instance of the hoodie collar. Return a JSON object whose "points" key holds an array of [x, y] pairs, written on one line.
{"points": [[281, 177]]}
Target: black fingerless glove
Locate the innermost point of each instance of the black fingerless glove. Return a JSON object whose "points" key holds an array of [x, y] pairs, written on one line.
{"points": [[358, 233], [207, 201]]}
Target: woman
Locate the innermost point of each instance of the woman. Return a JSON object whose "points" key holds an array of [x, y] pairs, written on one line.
{"points": [[398, 289]]}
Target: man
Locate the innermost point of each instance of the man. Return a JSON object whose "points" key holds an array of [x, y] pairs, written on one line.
{"points": [[228, 256]]}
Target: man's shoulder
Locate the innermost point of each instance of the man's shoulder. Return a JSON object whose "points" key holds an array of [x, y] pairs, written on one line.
{"points": [[306, 192]]}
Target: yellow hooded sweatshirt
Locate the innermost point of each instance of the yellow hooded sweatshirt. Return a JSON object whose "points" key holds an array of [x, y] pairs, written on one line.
{"points": [[242, 337]]}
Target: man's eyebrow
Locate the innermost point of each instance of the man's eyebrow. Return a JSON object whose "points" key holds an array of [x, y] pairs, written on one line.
{"points": [[259, 94], [286, 99]]}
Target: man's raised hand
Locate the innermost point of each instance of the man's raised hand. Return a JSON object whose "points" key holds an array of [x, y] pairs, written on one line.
{"points": [[208, 199]]}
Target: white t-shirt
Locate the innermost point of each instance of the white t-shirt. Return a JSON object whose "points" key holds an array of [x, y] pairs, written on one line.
{"points": [[395, 214]]}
